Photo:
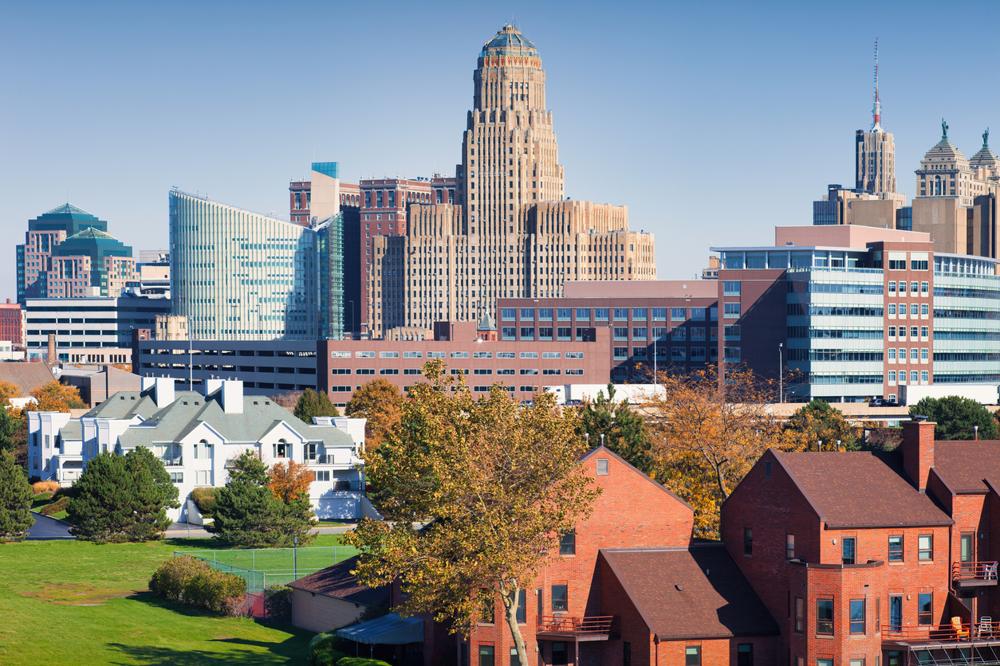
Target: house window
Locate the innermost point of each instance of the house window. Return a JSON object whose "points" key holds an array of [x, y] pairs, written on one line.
{"points": [[858, 661], [896, 548], [692, 655], [522, 607], [857, 617], [744, 654], [560, 654], [203, 450], [747, 541], [560, 598], [567, 543], [176, 477], [282, 449], [925, 608], [323, 475], [800, 612], [824, 662], [925, 547], [602, 467], [847, 547], [203, 477], [789, 546], [824, 617], [486, 656], [514, 661], [312, 451]]}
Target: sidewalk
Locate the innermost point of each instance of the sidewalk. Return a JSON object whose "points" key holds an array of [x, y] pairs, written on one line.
{"points": [[187, 531]]}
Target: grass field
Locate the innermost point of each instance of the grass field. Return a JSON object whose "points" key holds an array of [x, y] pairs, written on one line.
{"points": [[78, 602]]}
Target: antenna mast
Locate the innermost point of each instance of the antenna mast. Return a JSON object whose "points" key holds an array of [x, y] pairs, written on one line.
{"points": [[877, 107]]}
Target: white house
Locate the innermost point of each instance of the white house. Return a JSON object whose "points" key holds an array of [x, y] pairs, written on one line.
{"points": [[198, 435]]}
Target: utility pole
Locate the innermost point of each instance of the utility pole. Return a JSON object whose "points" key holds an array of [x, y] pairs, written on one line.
{"points": [[781, 372]]}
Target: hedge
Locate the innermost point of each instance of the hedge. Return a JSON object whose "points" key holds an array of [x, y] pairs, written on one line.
{"points": [[278, 603], [191, 581], [324, 649], [39, 487], [204, 498]]}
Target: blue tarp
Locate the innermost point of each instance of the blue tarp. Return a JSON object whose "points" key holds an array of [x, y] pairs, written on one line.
{"points": [[389, 629]]}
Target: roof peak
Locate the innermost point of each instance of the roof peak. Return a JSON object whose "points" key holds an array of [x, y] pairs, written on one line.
{"points": [[67, 209]]}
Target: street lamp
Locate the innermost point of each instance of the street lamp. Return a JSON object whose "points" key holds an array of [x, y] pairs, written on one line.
{"points": [[781, 372]]}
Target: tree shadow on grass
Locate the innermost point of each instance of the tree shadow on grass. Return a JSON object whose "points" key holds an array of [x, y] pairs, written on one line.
{"points": [[148, 597], [292, 650]]}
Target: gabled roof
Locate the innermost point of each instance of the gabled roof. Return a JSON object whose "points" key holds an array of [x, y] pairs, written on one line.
{"points": [[25, 375], [857, 489], [339, 582], [693, 593], [603, 450], [125, 405], [963, 466]]}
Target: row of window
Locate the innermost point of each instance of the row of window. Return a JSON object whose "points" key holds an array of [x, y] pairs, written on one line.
{"points": [[607, 314], [461, 354], [848, 547]]}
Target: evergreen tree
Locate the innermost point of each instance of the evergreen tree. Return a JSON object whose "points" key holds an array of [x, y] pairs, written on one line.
{"points": [[247, 513], [314, 403], [122, 498], [14, 433], [623, 429], [15, 500], [956, 417]]}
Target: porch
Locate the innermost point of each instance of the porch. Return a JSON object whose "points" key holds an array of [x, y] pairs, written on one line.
{"points": [[951, 644]]}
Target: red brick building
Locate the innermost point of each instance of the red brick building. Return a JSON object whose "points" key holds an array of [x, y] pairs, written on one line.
{"points": [[11, 323]]}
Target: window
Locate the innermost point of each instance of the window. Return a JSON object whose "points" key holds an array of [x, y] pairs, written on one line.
{"points": [[486, 657], [744, 654], [176, 477], [824, 617], [824, 662], [925, 547], [747, 541], [282, 449], [692, 655], [203, 477], [895, 612], [567, 543], [678, 314], [323, 475], [731, 310], [857, 617], [789, 546], [800, 612], [560, 598], [522, 607], [730, 287], [860, 661], [602, 467], [925, 608], [847, 547], [203, 450], [514, 661], [896, 548]]}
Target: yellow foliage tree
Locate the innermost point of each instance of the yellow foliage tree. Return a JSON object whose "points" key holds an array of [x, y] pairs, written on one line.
{"points": [[381, 403], [55, 397], [493, 483], [290, 480], [8, 390]]}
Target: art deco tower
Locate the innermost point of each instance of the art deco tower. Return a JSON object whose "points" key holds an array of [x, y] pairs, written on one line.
{"points": [[875, 152]]}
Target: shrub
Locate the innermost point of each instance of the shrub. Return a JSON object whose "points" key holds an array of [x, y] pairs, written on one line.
{"points": [[39, 487], [278, 603], [191, 581], [325, 649], [361, 661], [54, 507], [204, 499]]}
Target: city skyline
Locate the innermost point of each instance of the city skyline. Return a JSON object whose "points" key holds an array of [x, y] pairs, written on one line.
{"points": [[231, 113]]}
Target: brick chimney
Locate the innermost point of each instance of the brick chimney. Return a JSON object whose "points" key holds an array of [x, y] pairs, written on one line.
{"points": [[917, 449]]}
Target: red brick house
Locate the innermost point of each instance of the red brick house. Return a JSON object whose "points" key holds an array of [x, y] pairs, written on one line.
{"points": [[861, 559]]}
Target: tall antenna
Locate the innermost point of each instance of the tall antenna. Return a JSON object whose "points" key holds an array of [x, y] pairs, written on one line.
{"points": [[877, 108]]}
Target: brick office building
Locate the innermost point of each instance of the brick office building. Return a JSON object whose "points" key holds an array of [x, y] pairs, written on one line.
{"points": [[11, 323], [864, 560]]}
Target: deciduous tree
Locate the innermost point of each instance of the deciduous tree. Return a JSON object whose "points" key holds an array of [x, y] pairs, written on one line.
{"points": [[957, 417], [822, 427], [289, 480], [314, 403], [56, 397], [381, 403], [8, 390], [706, 435], [493, 482], [15, 499]]}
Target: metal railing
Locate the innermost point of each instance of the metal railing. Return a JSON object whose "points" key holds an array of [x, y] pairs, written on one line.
{"points": [[579, 626], [974, 570], [943, 633]]}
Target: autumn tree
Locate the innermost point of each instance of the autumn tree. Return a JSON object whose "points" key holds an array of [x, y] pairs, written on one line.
{"points": [[617, 426], [706, 434], [494, 484], [314, 403], [290, 480], [822, 427], [56, 397], [381, 403], [8, 390]]}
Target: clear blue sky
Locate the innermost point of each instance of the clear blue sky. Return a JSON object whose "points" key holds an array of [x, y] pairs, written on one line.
{"points": [[711, 121]]}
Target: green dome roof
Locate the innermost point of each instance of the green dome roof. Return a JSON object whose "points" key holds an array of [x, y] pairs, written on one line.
{"points": [[509, 41]]}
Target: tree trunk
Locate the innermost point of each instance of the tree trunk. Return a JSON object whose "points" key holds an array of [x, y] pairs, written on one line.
{"points": [[509, 598]]}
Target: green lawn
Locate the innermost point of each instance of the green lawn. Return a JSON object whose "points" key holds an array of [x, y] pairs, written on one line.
{"points": [[78, 602]]}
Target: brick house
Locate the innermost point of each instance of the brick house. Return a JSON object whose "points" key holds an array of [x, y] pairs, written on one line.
{"points": [[861, 559]]}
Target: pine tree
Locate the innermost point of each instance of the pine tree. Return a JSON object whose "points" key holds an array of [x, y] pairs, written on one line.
{"points": [[122, 498], [15, 500], [314, 403], [247, 513], [623, 429]]}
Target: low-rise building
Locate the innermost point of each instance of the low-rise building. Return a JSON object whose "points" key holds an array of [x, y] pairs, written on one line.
{"points": [[197, 435]]}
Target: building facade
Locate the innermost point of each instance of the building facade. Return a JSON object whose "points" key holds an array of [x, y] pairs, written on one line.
{"points": [[510, 233], [89, 330], [238, 275], [11, 323]]}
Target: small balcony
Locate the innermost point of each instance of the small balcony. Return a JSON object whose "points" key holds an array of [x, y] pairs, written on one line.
{"points": [[952, 644], [574, 628], [974, 574]]}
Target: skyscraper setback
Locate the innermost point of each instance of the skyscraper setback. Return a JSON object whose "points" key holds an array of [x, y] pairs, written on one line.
{"points": [[875, 151], [511, 234]]}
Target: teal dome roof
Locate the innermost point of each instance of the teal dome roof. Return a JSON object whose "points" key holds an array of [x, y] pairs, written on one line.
{"points": [[509, 41]]}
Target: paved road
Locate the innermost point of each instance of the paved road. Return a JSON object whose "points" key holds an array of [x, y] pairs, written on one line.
{"points": [[46, 528], [185, 531]]}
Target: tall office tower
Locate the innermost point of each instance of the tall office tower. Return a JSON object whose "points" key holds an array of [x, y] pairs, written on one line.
{"points": [[510, 233], [44, 234], [238, 275], [90, 263], [875, 151]]}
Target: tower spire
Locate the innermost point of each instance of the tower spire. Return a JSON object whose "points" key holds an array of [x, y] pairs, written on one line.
{"points": [[877, 107]]}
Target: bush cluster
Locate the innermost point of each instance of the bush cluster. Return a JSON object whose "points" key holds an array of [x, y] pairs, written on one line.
{"points": [[278, 603], [191, 581], [324, 649], [362, 661], [39, 487], [204, 498], [60, 504]]}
